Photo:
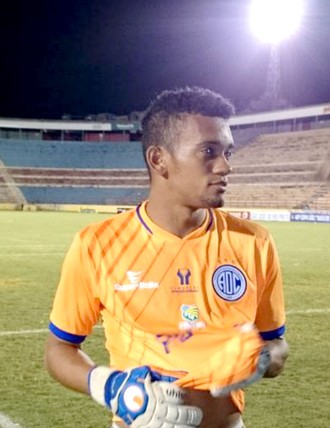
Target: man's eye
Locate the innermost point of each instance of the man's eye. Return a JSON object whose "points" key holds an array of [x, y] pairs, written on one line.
{"points": [[209, 151], [212, 152], [228, 154]]}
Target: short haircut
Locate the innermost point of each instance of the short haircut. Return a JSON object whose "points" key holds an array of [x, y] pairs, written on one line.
{"points": [[163, 115]]}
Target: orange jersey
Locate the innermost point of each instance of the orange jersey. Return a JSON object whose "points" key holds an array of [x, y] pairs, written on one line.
{"points": [[174, 303]]}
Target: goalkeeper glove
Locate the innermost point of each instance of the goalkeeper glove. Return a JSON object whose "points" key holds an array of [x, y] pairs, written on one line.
{"points": [[142, 398]]}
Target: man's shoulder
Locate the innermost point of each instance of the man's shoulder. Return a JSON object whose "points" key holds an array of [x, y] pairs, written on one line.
{"points": [[114, 224], [241, 225]]}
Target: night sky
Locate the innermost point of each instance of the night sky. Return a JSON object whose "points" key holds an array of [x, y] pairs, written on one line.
{"points": [[88, 57]]}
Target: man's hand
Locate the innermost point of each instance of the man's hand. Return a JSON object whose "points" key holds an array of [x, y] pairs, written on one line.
{"points": [[261, 368], [279, 350], [143, 398]]}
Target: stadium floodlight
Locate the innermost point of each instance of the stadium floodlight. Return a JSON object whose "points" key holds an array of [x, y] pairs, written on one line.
{"points": [[275, 20]]}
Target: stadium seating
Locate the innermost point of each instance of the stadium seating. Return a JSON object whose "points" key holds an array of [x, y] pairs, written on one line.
{"points": [[275, 170], [73, 154], [9, 191], [280, 171], [75, 172]]}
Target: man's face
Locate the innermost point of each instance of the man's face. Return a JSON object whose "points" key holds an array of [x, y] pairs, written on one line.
{"points": [[198, 166]]}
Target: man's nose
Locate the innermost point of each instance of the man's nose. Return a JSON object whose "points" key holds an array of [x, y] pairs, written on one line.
{"points": [[222, 166]]}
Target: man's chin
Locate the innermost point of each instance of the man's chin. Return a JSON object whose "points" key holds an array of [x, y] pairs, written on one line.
{"points": [[214, 203]]}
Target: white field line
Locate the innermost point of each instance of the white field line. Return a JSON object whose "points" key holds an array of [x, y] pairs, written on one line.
{"points": [[308, 311], [23, 332], [5, 422], [28, 332], [45, 330], [28, 254], [26, 244]]}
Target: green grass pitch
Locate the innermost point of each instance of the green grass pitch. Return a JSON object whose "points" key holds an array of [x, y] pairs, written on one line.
{"points": [[32, 247]]}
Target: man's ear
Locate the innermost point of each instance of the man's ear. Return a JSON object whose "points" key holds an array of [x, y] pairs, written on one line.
{"points": [[155, 156]]}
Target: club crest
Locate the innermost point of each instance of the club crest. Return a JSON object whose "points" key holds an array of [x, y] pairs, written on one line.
{"points": [[229, 283]]}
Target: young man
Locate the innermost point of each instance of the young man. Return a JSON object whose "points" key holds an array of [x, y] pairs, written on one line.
{"points": [[177, 283]]}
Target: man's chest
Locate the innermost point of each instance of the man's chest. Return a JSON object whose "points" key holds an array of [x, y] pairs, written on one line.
{"points": [[181, 287]]}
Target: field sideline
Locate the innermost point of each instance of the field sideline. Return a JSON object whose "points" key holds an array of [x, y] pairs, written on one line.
{"points": [[32, 248]]}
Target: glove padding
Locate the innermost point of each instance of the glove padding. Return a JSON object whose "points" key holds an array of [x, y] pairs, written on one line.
{"points": [[143, 398]]}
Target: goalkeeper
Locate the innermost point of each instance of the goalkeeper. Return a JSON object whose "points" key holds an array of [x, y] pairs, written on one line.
{"points": [[190, 297]]}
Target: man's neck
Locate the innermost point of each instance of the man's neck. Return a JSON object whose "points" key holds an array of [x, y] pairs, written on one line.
{"points": [[178, 220]]}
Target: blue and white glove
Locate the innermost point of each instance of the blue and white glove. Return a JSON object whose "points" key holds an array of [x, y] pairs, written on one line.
{"points": [[142, 398]]}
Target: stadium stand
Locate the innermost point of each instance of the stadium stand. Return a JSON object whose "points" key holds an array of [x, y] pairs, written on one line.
{"points": [[9, 191], [280, 171], [73, 154], [60, 172], [272, 171]]}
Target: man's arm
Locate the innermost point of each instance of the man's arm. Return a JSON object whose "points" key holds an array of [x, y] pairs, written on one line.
{"points": [[279, 350], [159, 401], [67, 363]]}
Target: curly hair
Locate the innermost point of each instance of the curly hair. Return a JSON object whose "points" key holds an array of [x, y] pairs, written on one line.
{"points": [[162, 119]]}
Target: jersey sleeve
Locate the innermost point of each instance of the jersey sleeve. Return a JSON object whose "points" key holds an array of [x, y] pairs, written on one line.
{"points": [[270, 317], [76, 305]]}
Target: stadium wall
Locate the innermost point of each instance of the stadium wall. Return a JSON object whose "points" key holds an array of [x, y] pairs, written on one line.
{"points": [[248, 214], [244, 127]]}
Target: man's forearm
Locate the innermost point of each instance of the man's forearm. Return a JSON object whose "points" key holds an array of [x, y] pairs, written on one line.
{"points": [[68, 364], [278, 349]]}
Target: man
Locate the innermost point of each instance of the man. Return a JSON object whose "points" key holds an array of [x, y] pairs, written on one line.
{"points": [[177, 283]]}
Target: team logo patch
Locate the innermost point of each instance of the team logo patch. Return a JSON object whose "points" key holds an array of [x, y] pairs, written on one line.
{"points": [[189, 312], [190, 315], [229, 283]]}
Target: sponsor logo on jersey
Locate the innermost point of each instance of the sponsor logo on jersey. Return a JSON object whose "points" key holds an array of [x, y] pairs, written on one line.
{"points": [[229, 283], [184, 276], [134, 277], [135, 282], [184, 286], [190, 315]]}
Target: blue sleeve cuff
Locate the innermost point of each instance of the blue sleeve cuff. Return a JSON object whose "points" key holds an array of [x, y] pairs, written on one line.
{"points": [[61, 334], [273, 334]]}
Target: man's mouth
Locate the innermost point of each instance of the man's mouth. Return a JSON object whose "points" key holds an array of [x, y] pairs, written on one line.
{"points": [[220, 184]]}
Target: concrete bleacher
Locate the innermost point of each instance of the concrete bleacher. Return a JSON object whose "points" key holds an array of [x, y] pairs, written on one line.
{"points": [[9, 191], [76, 172], [280, 171], [85, 195], [273, 171], [70, 154], [289, 147], [79, 177]]}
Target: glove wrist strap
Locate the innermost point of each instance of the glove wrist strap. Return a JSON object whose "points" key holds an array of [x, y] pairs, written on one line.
{"points": [[97, 379]]}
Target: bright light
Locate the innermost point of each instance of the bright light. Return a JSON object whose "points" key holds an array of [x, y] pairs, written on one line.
{"points": [[275, 20]]}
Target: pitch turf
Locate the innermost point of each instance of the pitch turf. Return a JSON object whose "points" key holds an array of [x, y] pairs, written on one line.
{"points": [[32, 247]]}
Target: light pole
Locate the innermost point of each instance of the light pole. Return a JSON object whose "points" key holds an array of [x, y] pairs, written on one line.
{"points": [[273, 21], [272, 94]]}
